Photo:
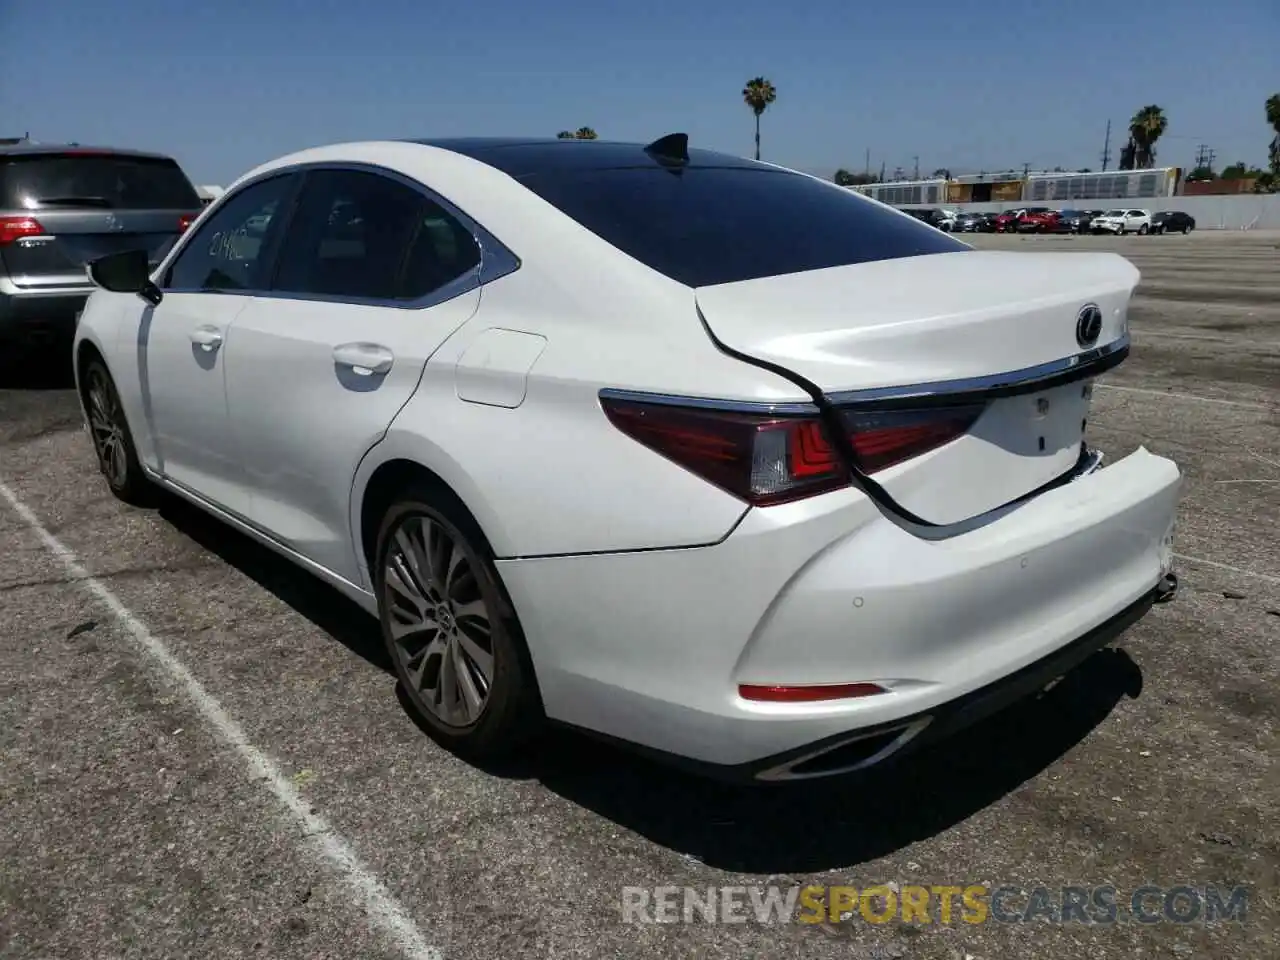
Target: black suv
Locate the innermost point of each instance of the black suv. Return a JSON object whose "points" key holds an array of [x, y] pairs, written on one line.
{"points": [[62, 206], [1172, 221]]}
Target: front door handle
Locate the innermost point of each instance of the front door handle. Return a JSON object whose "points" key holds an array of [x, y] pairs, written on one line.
{"points": [[206, 338], [364, 359]]}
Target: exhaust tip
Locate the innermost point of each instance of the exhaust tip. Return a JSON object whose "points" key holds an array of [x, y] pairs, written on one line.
{"points": [[856, 753], [1167, 588]]}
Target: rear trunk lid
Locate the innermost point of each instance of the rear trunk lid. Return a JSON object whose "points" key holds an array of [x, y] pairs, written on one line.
{"points": [[75, 206], [983, 340]]}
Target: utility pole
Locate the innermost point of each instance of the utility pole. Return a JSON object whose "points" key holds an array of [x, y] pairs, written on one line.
{"points": [[1106, 147], [917, 163], [1204, 157], [867, 169], [1026, 168]]}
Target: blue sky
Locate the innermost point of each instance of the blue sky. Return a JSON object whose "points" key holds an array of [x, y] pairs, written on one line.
{"points": [[227, 85]]}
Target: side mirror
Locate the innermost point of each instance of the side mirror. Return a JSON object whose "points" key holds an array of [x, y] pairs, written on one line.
{"points": [[126, 272]]}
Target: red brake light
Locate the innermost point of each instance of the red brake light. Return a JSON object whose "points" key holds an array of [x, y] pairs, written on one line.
{"points": [[11, 228], [767, 459], [762, 458], [185, 221], [808, 694], [883, 438]]}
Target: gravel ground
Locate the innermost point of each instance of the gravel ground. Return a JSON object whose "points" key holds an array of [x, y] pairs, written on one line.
{"points": [[208, 812]]}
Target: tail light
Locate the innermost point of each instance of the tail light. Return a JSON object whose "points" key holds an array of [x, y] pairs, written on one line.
{"points": [[185, 221], [767, 459], [882, 439], [13, 228]]}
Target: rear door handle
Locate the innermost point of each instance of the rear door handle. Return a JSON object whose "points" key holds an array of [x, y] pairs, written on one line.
{"points": [[206, 337], [364, 359]]}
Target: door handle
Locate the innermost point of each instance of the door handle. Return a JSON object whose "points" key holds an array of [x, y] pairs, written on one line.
{"points": [[363, 359], [206, 338]]}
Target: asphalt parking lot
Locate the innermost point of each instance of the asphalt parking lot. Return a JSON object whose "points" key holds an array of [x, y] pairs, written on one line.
{"points": [[203, 754]]}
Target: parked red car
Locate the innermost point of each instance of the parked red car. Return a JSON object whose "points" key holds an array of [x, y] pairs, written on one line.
{"points": [[1038, 221], [1008, 222]]}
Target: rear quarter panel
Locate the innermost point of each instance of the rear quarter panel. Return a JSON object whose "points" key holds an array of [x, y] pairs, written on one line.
{"points": [[553, 475]]}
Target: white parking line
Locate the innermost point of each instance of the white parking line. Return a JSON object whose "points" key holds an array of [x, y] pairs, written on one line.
{"points": [[1222, 566], [1183, 396], [367, 891]]}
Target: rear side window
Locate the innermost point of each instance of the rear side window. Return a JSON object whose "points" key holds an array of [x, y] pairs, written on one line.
{"points": [[366, 237], [100, 180], [708, 225]]}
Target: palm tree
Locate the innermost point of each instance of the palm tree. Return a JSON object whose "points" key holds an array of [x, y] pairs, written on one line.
{"points": [[758, 94], [582, 133], [1273, 118], [1146, 127]]}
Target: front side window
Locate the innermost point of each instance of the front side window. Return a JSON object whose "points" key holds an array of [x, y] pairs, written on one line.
{"points": [[231, 249], [362, 236]]}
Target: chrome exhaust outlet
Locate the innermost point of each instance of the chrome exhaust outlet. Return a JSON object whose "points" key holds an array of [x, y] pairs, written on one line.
{"points": [[1167, 588], [859, 751]]}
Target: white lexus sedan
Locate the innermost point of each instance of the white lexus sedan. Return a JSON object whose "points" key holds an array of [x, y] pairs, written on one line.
{"points": [[692, 452]]}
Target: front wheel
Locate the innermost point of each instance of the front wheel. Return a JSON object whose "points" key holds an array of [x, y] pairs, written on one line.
{"points": [[112, 439], [451, 631]]}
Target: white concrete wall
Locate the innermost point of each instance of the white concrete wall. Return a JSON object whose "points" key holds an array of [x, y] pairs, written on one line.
{"points": [[1238, 212]]}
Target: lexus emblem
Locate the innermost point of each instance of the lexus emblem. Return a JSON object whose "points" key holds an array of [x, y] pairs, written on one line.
{"points": [[1088, 325]]}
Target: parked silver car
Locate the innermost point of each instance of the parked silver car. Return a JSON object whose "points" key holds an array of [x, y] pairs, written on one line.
{"points": [[64, 205]]}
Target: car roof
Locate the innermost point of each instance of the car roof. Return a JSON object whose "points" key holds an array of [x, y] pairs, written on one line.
{"points": [[35, 149], [521, 158]]}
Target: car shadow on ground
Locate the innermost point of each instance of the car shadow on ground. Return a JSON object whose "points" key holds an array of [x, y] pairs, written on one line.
{"points": [[41, 367], [804, 827], [801, 827], [317, 601]]}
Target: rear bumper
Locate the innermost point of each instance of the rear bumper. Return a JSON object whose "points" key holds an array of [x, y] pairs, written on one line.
{"points": [[831, 591], [39, 314]]}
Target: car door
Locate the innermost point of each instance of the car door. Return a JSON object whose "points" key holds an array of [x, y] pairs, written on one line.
{"points": [[182, 342], [373, 275]]}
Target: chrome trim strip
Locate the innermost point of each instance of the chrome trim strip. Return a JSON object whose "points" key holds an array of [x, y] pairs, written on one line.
{"points": [[786, 408], [496, 259], [784, 771], [1027, 380]]}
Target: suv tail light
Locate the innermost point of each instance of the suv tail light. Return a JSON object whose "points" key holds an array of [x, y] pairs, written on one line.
{"points": [[185, 221], [768, 459], [12, 228]]}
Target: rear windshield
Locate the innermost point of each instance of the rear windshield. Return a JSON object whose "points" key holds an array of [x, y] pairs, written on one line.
{"points": [[104, 181], [708, 225]]}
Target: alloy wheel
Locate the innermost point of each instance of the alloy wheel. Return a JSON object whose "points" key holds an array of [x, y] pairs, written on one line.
{"points": [[106, 426], [440, 626]]}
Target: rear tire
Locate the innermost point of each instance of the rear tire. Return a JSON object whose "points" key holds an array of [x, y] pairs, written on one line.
{"points": [[451, 631], [1143, 230], [112, 440]]}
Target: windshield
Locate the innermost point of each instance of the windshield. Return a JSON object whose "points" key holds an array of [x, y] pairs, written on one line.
{"points": [[1114, 213], [109, 181], [709, 225]]}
